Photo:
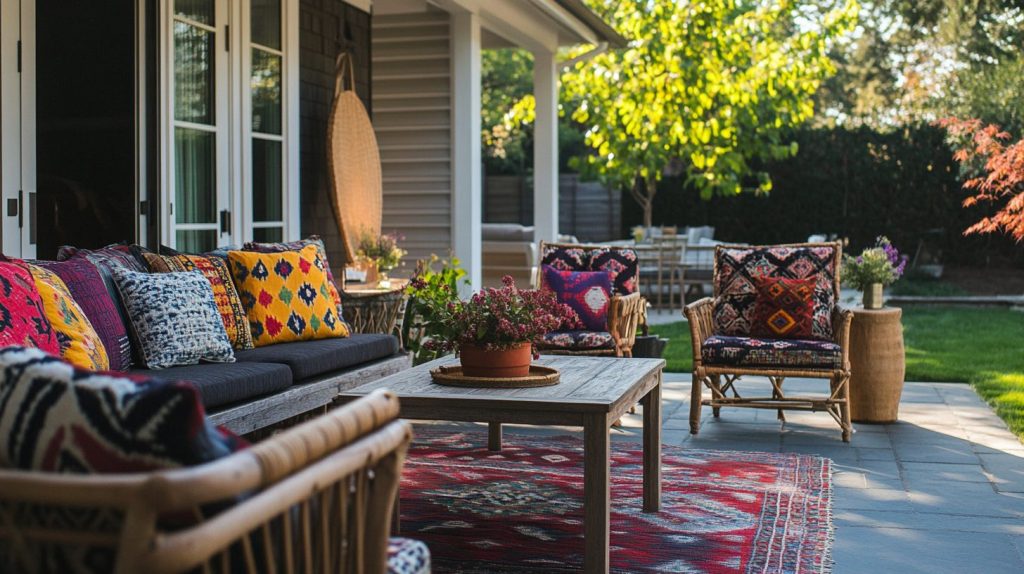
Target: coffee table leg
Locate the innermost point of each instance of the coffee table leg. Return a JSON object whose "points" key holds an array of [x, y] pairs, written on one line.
{"points": [[652, 448], [596, 454], [494, 436]]}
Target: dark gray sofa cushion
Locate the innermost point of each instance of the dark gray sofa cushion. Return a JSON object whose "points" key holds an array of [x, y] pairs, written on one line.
{"points": [[225, 383], [308, 359]]}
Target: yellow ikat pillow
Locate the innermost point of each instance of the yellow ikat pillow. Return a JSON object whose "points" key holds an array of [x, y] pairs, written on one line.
{"points": [[286, 296], [80, 345]]}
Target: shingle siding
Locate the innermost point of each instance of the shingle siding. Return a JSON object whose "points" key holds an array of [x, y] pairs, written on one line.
{"points": [[324, 24]]}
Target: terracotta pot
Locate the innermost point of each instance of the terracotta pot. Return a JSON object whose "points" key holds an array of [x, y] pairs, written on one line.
{"points": [[501, 363], [873, 296]]}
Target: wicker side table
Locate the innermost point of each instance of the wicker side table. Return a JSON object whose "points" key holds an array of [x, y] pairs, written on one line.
{"points": [[877, 364], [374, 310]]}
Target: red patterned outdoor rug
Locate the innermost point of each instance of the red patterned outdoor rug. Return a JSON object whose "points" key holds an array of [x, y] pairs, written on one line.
{"points": [[521, 510]]}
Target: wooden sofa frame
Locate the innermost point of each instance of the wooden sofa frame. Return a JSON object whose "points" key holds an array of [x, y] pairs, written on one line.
{"points": [[721, 380], [626, 313], [316, 498]]}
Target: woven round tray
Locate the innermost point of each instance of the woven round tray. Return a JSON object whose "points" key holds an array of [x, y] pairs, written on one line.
{"points": [[452, 376]]}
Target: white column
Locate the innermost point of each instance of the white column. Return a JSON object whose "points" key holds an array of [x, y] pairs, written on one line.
{"points": [[467, 184], [545, 147]]}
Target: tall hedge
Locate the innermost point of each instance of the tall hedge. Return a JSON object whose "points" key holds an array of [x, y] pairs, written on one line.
{"points": [[858, 184]]}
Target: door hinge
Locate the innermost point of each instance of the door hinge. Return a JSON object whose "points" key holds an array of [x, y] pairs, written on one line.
{"points": [[19, 56], [227, 38], [225, 221]]}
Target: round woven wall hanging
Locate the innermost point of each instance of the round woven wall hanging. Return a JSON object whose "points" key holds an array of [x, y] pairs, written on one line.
{"points": [[353, 162]]}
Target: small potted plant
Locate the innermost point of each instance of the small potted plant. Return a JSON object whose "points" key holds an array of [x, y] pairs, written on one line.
{"points": [[874, 269], [494, 331], [381, 255]]}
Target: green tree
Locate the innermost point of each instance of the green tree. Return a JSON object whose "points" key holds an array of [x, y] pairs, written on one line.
{"points": [[914, 60], [707, 88]]}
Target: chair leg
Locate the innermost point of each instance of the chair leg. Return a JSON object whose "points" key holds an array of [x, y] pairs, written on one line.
{"points": [[695, 406], [716, 383], [844, 408]]}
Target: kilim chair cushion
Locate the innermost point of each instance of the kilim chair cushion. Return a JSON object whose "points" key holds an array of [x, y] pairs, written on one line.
{"points": [[588, 293], [174, 318], [80, 344], [737, 270], [581, 340], [622, 264], [784, 308], [565, 258], [722, 350], [22, 316]]}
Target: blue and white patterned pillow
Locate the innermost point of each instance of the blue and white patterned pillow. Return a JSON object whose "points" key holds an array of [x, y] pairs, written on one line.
{"points": [[174, 318]]}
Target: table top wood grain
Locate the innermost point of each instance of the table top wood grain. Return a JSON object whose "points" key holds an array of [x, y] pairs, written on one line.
{"points": [[588, 384]]}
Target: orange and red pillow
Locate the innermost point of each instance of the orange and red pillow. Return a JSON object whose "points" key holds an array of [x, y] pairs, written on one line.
{"points": [[588, 293], [784, 308]]}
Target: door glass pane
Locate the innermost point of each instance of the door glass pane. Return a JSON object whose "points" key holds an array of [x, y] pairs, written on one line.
{"points": [[266, 180], [267, 234], [266, 23], [199, 10], [193, 74], [196, 240], [195, 164], [266, 92]]}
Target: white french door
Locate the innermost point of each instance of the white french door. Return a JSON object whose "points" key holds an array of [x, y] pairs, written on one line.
{"points": [[230, 158], [17, 127]]}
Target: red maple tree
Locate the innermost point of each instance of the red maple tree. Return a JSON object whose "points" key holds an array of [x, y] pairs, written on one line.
{"points": [[986, 150]]}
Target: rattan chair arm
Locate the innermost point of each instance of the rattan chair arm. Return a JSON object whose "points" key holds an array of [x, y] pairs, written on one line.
{"points": [[698, 314], [625, 315], [841, 320]]}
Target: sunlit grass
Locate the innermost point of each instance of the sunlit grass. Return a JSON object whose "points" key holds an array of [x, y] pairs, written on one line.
{"points": [[984, 347]]}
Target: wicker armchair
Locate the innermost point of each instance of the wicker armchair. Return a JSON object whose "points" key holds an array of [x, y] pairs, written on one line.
{"points": [[316, 498], [722, 353], [627, 310]]}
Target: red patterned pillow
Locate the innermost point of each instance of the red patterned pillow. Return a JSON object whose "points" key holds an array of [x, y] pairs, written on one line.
{"points": [[23, 319], [588, 293], [784, 308]]}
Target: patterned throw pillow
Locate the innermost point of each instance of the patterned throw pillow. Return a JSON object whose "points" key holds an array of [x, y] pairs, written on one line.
{"points": [[106, 260], [315, 240], [79, 343], [174, 318], [286, 296], [736, 272], [23, 319], [232, 314], [622, 264], [99, 422], [784, 308], [588, 293], [87, 287]]}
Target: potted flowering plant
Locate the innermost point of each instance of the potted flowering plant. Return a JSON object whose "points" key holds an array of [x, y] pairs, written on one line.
{"points": [[382, 254], [494, 331], [874, 269]]}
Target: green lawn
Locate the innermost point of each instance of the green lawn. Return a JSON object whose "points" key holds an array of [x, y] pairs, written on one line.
{"points": [[984, 347]]}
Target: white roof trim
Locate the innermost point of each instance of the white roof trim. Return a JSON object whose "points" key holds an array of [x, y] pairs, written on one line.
{"points": [[364, 5]]}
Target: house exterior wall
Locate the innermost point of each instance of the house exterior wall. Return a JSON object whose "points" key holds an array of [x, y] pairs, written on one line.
{"points": [[324, 25], [412, 98]]}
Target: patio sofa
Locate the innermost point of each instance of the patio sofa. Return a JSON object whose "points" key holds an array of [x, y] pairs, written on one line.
{"points": [[268, 385]]}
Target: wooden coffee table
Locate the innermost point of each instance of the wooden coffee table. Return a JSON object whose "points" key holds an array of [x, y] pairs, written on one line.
{"points": [[593, 393]]}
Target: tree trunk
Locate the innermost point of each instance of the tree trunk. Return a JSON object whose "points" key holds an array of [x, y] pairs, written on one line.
{"points": [[643, 193]]}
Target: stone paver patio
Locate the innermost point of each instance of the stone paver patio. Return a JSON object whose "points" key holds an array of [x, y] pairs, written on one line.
{"points": [[940, 491]]}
